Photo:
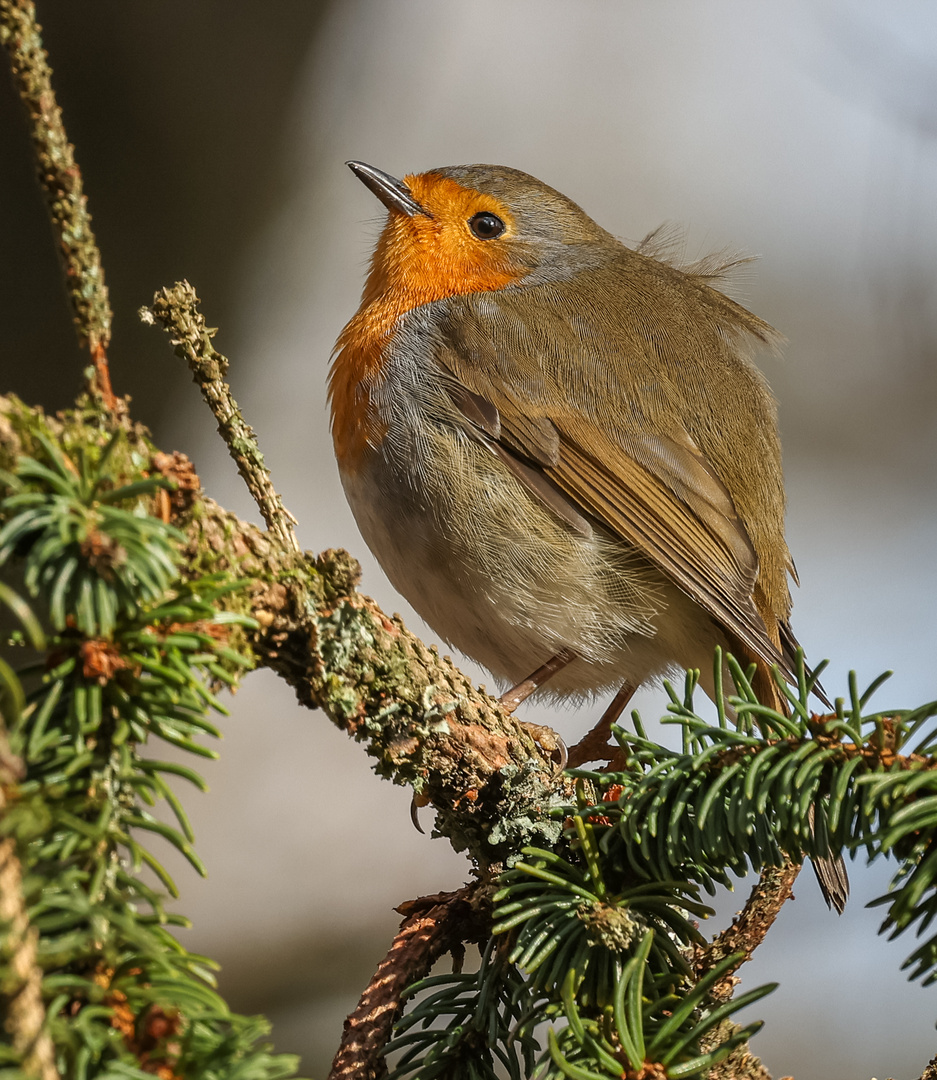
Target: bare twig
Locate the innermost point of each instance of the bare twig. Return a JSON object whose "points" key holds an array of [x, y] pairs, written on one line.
{"points": [[176, 310], [61, 183], [431, 927], [749, 927]]}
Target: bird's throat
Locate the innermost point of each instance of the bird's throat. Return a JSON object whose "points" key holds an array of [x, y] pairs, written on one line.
{"points": [[418, 260]]}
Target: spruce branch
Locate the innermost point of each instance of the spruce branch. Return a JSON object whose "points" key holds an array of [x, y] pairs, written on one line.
{"points": [[61, 183], [131, 648], [488, 1017], [773, 788], [21, 1004]]}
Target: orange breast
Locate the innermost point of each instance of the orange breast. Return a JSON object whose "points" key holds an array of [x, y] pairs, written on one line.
{"points": [[358, 362], [417, 260]]}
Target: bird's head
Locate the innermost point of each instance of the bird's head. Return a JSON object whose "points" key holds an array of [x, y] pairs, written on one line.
{"points": [[474, 228]]}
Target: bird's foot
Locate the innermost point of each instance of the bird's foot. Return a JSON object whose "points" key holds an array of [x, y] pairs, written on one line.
{"points": [[550, 741], [594, 745]]}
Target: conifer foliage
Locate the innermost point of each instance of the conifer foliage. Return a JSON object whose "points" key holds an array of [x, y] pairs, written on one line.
{"points": [[123, 651], [598, 934]]}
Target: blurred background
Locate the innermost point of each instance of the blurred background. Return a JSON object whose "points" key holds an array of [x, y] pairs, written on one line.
{"points": [[212, 137]]}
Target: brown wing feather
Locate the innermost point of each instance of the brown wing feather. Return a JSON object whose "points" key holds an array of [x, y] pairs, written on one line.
{"points": [[670, 505], [672, 444], [636, 505]]}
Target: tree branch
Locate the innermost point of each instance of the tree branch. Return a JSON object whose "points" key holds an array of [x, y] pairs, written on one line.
{"points": [[930, 1072], [61, 183], [749, 927], [432, 926], [422, 720], [21, 991], [176, 309]]}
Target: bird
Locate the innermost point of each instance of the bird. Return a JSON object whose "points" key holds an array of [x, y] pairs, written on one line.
{"points": [[560, 449]]}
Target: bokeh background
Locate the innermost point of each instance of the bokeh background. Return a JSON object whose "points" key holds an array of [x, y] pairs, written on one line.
{"points": [[212, 138]]}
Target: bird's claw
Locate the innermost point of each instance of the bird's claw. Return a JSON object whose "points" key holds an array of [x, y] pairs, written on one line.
{"points": [[548, 739]]}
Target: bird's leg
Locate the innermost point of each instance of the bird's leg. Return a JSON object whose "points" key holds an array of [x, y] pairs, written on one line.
{"points": [[593, 746], [540, 733], [523, 690]]}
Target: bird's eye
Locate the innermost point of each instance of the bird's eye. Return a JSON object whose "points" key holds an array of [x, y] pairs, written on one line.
{"points": [[486, 226]]}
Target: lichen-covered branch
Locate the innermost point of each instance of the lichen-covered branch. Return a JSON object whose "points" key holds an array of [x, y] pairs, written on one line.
{"points": [[930, 1072], [421, 719], [60, 179], [741, 1064], [176, 310]]}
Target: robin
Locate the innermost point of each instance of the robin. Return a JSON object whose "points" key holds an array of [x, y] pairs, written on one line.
{"points": [[559, 449]]}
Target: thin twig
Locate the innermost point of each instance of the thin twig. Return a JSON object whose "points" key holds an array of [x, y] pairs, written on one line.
{"points": [[749, 927], [431, 927], [177, 311], [60, 179]]}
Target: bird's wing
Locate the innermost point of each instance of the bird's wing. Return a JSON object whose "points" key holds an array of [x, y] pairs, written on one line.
{"points": [[657, 493]]}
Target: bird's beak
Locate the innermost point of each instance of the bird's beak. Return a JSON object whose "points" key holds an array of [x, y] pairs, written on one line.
{"points": [[393, 193]]}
